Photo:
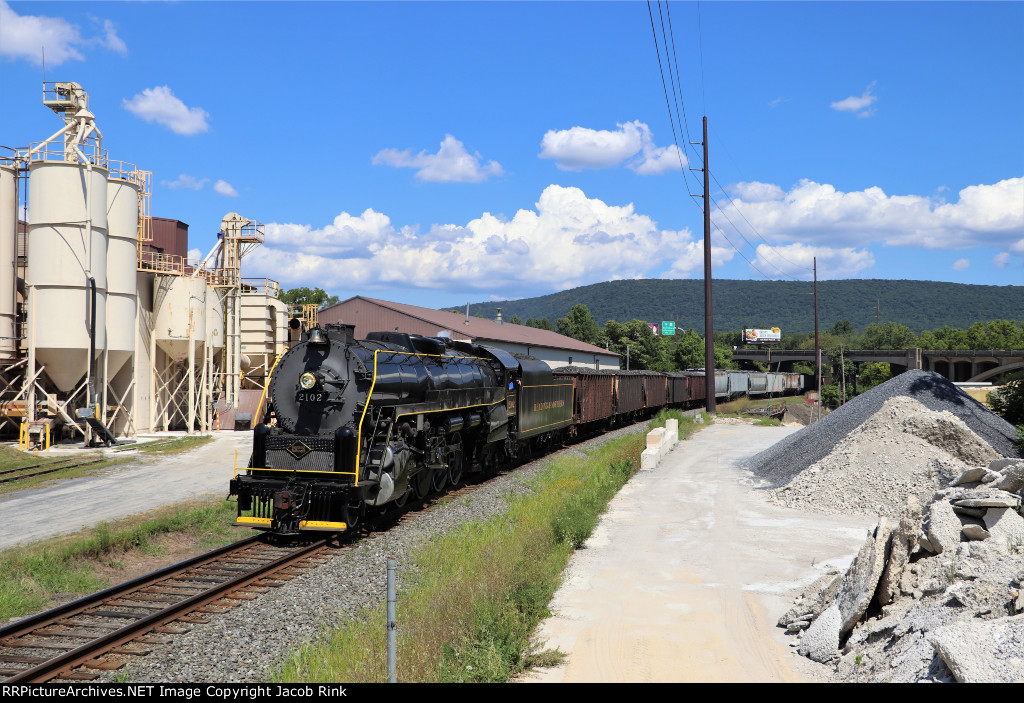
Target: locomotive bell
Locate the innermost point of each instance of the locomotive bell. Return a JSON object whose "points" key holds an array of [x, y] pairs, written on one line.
{"points": [[316, 337]]}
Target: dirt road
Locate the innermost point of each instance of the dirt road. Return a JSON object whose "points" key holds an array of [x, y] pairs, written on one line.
{"points": [[689, 571], [68, 506]]}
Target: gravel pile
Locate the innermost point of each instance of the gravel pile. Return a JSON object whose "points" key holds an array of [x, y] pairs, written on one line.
{"points": [[902, 450], [247, 643], [784, 461], [937, 595]]}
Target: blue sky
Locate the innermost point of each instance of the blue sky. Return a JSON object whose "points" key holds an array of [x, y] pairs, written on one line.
{"points": [[439, 153]]}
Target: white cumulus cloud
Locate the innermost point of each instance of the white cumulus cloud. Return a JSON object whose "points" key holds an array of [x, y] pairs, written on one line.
{"points": [[30, 36], [565, 240], [581, 148], [1001, 260], [23, 37], [810, 212], [861, 104], [961, 264], [111, 40], [224, 188], [842, 262], [160, 105], [186, 181], [451, 164]]}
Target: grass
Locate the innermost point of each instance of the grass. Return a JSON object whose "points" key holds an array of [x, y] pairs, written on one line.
{"points": [[36, 576], [11, 458], [175, 446], [468, 608], [741, 406]]}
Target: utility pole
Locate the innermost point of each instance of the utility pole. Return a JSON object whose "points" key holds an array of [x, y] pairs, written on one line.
{"points": [[817, 345], [842, 365], [709, 327]]}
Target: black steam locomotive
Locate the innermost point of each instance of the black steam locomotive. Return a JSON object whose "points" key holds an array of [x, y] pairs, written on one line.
{"points": [[356, 424], [353, 425]]}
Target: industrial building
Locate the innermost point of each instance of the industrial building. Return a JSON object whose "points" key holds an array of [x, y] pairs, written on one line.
{"points": [[371, 315], [107, 328]]}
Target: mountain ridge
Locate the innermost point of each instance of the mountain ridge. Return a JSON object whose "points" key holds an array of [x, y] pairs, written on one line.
{"points": [[789, 305]]}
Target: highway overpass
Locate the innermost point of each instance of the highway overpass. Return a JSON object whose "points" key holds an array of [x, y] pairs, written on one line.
{"points": [[960, 365]]}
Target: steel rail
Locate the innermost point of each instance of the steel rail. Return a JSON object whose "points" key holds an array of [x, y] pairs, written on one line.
{"points": [[89, 651]]}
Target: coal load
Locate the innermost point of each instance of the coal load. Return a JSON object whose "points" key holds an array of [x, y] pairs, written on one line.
{"points": [[782, 462]]}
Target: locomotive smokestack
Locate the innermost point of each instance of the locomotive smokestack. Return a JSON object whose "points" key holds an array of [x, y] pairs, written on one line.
{"points": [[498, 318]]}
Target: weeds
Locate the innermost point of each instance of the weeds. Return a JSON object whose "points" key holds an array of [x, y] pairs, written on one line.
{"points": [[32, 576], [176, 446], [467, 612]]}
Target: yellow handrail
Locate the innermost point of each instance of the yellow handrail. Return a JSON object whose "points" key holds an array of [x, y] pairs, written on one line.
{"points": [[366, 406], [266, 385]]}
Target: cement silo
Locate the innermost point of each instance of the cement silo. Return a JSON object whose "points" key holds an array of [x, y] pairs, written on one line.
{"points": [[179, 303], [214, 320], [123, 228], [67, 266], [8, 257]]}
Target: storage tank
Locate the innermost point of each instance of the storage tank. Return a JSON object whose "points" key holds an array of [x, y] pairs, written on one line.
{"points": [[214, 320], [122, 235], [279, 310], [180, 305], [61, 259], [8, 234]]}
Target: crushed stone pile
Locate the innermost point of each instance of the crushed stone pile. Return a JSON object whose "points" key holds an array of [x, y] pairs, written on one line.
{"points": [[936, 594], [783, 462], [902, 450]]}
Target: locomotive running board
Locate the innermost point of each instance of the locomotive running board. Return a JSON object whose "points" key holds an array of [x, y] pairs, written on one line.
{"points": [[252, 522], [321, 526]]}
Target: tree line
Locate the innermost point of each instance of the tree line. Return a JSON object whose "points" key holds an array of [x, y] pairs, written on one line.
{"points": [[648, 350]]}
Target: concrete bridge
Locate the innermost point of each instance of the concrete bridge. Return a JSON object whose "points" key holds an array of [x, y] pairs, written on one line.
{"points": [[961, 365]]}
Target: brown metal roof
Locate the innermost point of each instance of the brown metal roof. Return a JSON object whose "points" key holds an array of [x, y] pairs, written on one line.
{"points": [[478, 330]]}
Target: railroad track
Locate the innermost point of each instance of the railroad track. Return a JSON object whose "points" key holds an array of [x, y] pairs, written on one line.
{"points": [[80, 640], [44, 468]]}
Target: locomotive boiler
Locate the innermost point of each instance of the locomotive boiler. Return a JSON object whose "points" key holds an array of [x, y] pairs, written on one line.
{"points": [[354, 425]]}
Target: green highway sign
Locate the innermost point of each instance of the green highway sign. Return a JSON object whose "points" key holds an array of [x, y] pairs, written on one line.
{"points": [[668, 328]]}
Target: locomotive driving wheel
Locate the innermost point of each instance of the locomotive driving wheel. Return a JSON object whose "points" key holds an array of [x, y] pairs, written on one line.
{"points": [[455, 460], [422, 483], [440, 479]]}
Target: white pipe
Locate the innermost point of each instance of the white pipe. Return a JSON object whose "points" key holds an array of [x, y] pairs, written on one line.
{"points": [[41, 144], [202, 264]]}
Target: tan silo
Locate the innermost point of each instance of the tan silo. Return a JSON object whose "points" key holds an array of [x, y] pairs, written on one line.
{"points": [[8, 258], [67, 257], [180, 305], [214, 320], [123, 229]]}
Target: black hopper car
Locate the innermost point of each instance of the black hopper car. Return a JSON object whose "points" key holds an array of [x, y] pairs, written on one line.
{"points": [[354, 425]]}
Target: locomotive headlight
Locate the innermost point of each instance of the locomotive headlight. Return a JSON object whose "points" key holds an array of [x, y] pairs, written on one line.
{"points": [[307, 381]]}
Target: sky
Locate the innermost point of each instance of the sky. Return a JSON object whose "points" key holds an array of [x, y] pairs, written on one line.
{"points": [[442, 153]]}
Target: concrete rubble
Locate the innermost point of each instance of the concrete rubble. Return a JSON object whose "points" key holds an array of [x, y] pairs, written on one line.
{"points": [[936, 593]]}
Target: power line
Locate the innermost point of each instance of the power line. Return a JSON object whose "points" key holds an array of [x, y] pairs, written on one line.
{"points": [[668, 105], [680, 107]]}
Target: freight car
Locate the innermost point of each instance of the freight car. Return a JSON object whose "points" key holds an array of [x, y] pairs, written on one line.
{"points": [[356, 426]]}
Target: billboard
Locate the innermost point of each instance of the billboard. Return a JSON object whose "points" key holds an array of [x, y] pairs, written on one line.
{"points": [[772, 336]]}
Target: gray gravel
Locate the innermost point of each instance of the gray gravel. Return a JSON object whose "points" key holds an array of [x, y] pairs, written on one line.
{"points": [[247, 643], [785, 460]]}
